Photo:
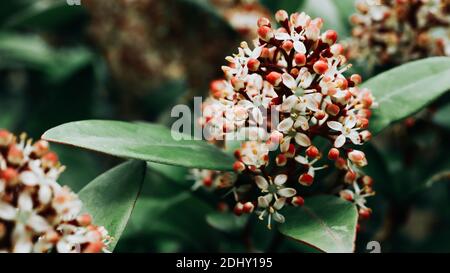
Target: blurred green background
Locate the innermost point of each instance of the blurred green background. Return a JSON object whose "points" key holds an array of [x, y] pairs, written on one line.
{"points": [[134, 60]]}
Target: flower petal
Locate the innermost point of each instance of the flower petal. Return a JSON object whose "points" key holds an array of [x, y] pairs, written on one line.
{"points": [[282, 36], [278, 217], [299, 47], [340, 141], [261, 182], [45, 194], [335, 125], [287, 192], [25, 202], [279, 204], [285, 125], [285, 143], [38, 223], [289, 81], [302, 160], [21, 239], [302, 140], [262, 202], [280, 179], [29, 178], [7, 212]]}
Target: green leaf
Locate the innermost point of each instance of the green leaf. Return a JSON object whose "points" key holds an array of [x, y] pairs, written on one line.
{"points": [[406, 89], [442, 117], [44, 14], [33, 52], [327, 223], [226, 222], [181, 217], [149, 142], [110, 198]]}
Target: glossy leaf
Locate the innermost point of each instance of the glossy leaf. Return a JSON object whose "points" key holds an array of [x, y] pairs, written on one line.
{"points": [[406, 89], [33, 52], [149, 142], [111, 197], [44, 15], [327, 223]]}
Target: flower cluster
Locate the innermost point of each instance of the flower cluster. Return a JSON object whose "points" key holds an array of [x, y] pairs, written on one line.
{"points": [[36, 213], [242, 15], [391, 32], [283, 94]]}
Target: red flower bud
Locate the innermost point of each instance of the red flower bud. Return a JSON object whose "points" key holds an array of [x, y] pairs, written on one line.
{"points": [[312, 152], [274, 78], [306, 179], [333, 154], [320, 67]]}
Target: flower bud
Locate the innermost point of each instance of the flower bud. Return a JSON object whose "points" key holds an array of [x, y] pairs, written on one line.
{"points": [[9, 175], [238, 167], [346, 195], [320, 67], [312, 152], [265, 33], [6, 138], [306, 179], [238, 209], [15, 155], [263, 22], [298, 201], [300, 59], [350, 176], [365, 213], [281, 160], [358, 158], [274, 78], [248, 207], [330, 37], [253, 65], [281, 16], [333, 154]]}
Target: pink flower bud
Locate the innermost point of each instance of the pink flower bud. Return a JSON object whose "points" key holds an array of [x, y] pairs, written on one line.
{"points": [[274, 78], [320, 67], [265, 33], [281, 16]]}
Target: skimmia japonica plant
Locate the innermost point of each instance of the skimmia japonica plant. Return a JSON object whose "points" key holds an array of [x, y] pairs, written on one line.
{"points": [[36, 213], [287, 125], [298, 71], [393, 32]]}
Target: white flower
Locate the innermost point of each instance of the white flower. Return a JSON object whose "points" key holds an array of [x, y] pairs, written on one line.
{"points": [[357, 195], [310, 165], [303, 81], [27, 222], [347, 131], [275, 188], [287, 127], [241, 60], [271, 210], [254, 153], [295, 37]]}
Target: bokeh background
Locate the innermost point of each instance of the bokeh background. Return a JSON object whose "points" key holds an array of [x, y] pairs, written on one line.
{"points": [[135, 59]]}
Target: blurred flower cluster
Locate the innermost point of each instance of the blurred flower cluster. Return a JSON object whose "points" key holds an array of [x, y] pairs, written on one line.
{"points": [[36, 213], [294, 74], [242, 15], [392, 32]]}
